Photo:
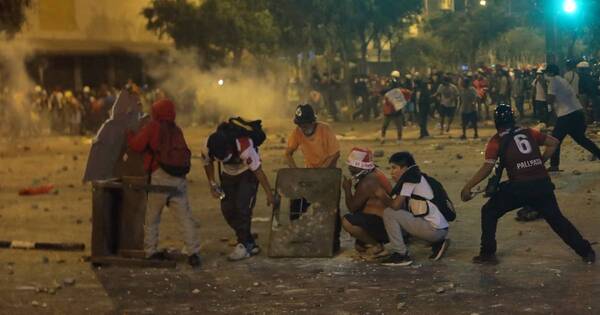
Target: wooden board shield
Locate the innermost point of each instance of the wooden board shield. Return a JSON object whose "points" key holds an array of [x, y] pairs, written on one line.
{"points": [[309, 233]]}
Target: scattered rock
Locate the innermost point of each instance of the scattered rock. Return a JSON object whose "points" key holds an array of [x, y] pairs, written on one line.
{"points": [[75, 158], [255, 284], [438, 147], [400, 305], [440, 290], [78, 221], [520, 233], [35, 303], [61, 261], [69, 281], [265, 293], [65, 168], [26, 148], [576, 172], [195, 291], [459, 156], [45, 260]]}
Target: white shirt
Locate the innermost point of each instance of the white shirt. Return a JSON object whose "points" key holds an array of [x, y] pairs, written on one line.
{"points": [[573, 79], [249, 158], [540, 94], [566, 100], [422, 189]]}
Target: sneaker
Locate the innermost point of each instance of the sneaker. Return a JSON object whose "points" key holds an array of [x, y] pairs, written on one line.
{"points": [[254, 250], [396, 259], [194, 261], [439, 249], [485, 259], [239, 252], [590, 258]]}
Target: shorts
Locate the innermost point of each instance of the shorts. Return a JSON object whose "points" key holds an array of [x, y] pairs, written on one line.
{"points": [[446, 111], [371, 223]]}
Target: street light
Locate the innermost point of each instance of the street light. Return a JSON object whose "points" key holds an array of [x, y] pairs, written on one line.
{"points": [[569, 6], [483, 3]]}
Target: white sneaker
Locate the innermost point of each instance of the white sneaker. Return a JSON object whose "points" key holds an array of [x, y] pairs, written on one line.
{"points": [[239, 252]]}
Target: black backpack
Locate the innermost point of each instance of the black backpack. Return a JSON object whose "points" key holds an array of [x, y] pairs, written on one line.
{"points": [[441, 199], [237, 127]]}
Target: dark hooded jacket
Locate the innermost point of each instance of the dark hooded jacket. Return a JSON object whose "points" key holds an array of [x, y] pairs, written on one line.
{"points": [[147, 139]]}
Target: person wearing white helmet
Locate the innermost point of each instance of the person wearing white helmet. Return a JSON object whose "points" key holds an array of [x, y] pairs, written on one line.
{"points": [[395, 74], [538, 96]]}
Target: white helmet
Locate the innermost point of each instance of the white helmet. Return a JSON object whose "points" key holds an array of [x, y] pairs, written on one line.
{"points": [[395, 74], [86, 89]]}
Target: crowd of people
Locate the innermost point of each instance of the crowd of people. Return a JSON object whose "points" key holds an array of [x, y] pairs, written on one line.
{"points": [[469, 94]]}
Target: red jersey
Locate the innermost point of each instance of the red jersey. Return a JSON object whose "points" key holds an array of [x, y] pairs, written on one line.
{"points": [[522, 156]]}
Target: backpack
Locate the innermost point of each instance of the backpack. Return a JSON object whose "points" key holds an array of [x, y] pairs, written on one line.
{"points": [[441, 199], [238, 127], [173, 154]]}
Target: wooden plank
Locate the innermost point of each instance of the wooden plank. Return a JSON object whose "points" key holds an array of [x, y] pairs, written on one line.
{"points": [[131, 262]]}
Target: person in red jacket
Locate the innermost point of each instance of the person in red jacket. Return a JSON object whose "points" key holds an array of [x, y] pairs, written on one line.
{"points": [[147, 141]]}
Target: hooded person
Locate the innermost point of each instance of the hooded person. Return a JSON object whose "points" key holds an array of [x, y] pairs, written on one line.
{"points": [[167, 161], [364, 220]]}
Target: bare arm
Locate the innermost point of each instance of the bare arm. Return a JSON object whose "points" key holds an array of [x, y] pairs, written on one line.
{"points": [[264, 182], [481, 174], [331, 161], [210, 175], [551, 144], [355, 202], [289, 157]]}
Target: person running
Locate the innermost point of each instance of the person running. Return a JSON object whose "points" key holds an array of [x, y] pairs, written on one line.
{"points": [[528, 184], [571, 119]]}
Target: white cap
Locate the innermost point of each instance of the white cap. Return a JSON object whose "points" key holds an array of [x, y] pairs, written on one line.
{"points": [[395, 74], [583, 64]]}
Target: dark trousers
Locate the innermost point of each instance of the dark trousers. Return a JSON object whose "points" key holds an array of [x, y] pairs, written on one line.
{"points": [[573, 125], [397, 118], [423, 115], [299, 207], [240, 198], [519, 102], [538, 195], [540, 111], [469, 119]]}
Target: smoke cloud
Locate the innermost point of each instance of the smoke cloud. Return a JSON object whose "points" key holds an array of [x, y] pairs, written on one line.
{"points": [[18, 116], [213, 95]]}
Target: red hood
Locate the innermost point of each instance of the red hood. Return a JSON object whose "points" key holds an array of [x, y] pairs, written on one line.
{"points": [[163, 110]]}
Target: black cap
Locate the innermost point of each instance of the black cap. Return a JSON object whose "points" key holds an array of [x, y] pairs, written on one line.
{"points": [[552, 69], [304, 114], [504, 116]]}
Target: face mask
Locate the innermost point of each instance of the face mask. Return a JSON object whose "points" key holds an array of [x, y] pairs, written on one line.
{"points": [[308, 131]]}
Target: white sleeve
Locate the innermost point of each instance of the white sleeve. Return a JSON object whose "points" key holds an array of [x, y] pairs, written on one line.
{"points": [[407, 189], [251, 158]]}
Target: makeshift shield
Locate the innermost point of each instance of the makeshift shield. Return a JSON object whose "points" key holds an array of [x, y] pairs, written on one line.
{"points": [[303, 221], [109, 144]]}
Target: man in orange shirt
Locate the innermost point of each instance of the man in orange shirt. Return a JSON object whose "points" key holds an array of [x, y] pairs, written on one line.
{"points": [[320, 148]]}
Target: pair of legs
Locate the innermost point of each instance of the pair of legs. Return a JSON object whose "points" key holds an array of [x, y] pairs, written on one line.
{"points": [[538, 195], [446, 112], [240, 198], [398, 119], [399, 221], [573, 125], [540, 111], [469, 119], [423, 115], [367, 228], [178, 203]]}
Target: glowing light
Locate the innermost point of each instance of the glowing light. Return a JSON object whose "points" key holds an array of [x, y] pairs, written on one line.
{"points": [[221, 82], [569, 6], [483, 2]]}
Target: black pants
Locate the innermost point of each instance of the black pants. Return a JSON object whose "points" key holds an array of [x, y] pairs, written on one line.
{"points": [[398, 119], [240, 198], [573, 125], [537, 194], [299, 206], [469, 119], [423, 115], [540, 111]]}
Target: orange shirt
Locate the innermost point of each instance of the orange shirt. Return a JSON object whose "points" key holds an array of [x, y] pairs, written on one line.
{"points": [[317, 148]]}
